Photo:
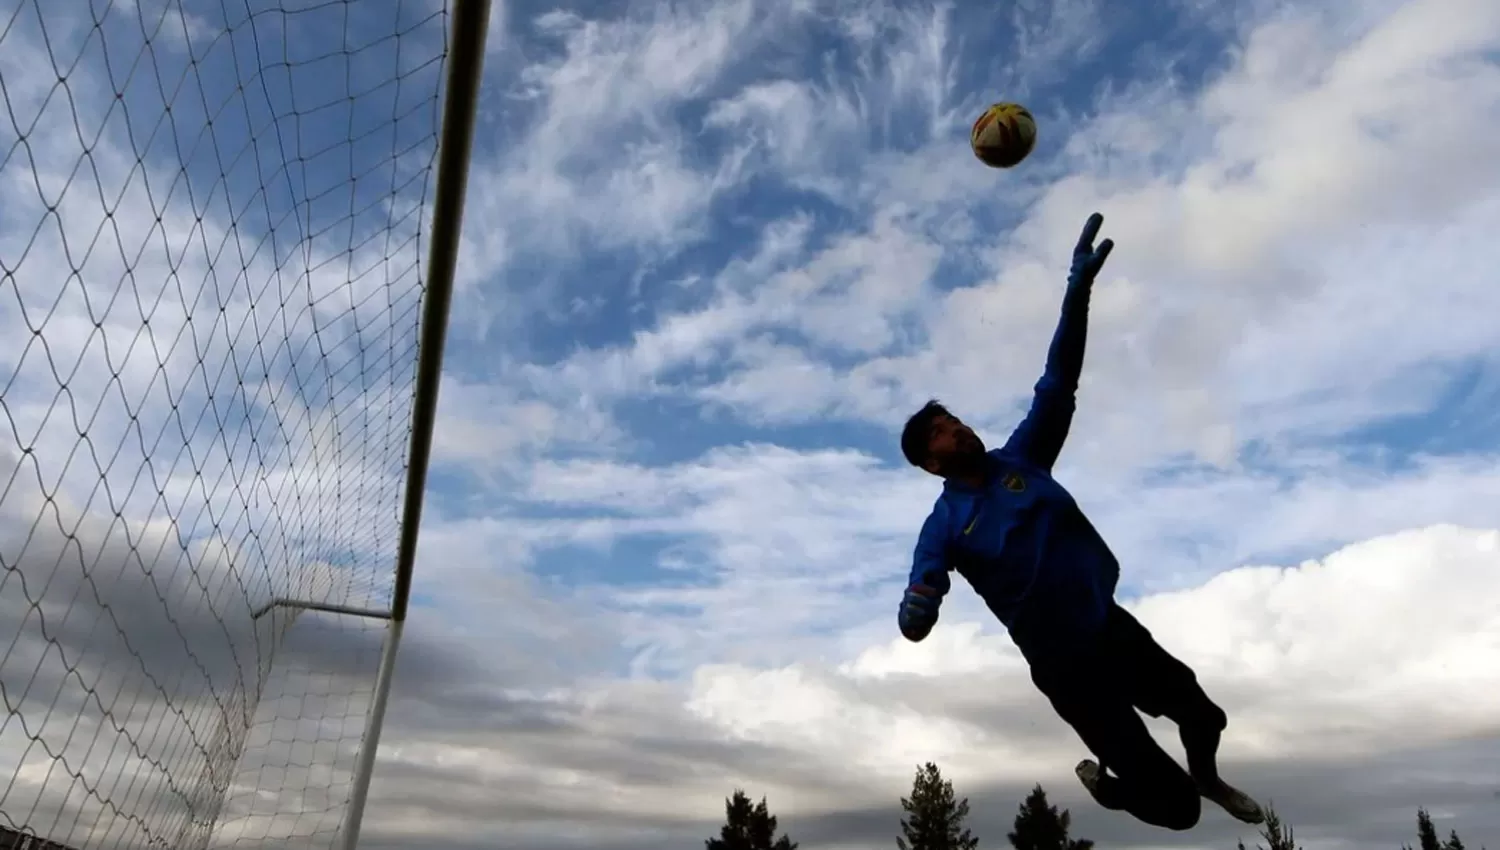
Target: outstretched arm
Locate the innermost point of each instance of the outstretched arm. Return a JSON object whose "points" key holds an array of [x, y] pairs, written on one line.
{"points": [[1040, 436], [929, 581]]}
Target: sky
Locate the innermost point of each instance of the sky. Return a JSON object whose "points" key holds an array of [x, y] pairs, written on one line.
{"points": [[714, 254]]}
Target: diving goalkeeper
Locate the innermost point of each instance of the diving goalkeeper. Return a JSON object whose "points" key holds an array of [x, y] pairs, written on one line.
{"points": [[1007, 526]]}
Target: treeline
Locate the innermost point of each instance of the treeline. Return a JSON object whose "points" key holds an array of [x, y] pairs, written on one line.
{"points": [[934, 818]]}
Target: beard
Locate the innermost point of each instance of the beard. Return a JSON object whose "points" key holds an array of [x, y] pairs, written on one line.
{"points": [[967, 458]]}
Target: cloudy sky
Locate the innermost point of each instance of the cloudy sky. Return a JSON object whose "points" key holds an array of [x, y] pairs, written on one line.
{"points": [[714, 254]]}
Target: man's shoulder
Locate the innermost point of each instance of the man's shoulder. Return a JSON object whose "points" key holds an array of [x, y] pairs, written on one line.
{"points": [[942, 508], [937, 526], [1006, 458]]}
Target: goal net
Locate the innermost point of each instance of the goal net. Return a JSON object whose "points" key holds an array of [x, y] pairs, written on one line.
{"points": [[212, 232]]}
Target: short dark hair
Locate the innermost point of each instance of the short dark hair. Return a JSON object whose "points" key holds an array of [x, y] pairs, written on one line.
{"points": [[918, 432]]}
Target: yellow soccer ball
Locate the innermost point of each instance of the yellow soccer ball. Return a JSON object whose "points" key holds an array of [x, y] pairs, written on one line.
{"points": [[1003, 135]]}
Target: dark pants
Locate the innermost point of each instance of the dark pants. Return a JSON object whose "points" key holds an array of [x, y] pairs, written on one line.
{"points": [[1099, 693]]}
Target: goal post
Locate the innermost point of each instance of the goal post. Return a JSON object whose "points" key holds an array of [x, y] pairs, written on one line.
{"points": [[228, 235]]}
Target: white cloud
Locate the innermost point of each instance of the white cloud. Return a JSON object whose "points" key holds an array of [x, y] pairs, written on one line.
{"points": [[1298, 259], [1321, 664], [602, 163], [1305, 211], [774, 554], [1304, 252]]}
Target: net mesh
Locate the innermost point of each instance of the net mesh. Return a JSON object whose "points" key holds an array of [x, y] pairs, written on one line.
{"points": [[211, 224]]}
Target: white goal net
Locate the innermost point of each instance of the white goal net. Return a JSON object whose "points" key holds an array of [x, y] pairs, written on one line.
{"points": [[213, 226]]}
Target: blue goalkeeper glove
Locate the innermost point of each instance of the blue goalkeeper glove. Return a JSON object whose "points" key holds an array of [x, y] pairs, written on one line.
{"points": [[1087, 259], [919, 612]]}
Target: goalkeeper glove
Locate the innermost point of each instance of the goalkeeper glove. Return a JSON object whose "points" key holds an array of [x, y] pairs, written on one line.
{"points": [[1087, 259], [919, 612]]}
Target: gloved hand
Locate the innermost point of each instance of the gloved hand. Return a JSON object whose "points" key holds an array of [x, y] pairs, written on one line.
{"points": [[919, 612], [1087, 259]]}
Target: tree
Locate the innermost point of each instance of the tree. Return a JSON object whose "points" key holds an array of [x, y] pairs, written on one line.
{"points": [[935, 820], [1278, 835], [1041, 827], [1427, 836], [748, 827]]}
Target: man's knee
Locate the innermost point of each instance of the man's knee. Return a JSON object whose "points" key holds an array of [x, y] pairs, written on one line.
{"points": [[1192, 708], [1209, 717], [1162, 793], [1181, 807]]}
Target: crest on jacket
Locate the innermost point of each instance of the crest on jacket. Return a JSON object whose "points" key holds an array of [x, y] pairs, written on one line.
{"points": [[1013, 482]]}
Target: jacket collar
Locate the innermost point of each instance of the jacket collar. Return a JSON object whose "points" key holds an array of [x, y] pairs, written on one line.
{"points": [[956, 487]]}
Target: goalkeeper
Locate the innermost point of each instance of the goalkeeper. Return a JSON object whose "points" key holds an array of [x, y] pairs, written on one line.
{"points": [[1020, 539]]}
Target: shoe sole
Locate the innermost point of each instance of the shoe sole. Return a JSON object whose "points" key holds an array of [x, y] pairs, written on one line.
{"points": [[1255, 818]]}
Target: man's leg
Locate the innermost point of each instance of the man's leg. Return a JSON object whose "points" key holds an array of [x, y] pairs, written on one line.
{"points": [[1146, 782], [1160, 685]]}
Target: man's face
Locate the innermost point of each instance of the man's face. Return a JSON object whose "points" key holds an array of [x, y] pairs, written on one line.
{"points": [[951, 444]]}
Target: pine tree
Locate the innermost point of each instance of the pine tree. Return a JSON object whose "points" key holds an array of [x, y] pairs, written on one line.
{"points": [[1040, 826], [935, 820], [1427, 835], [748, 827], [1278, 835]]}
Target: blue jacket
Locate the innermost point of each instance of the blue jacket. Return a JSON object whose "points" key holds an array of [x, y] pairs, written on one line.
{"points": [[1021, 540]]}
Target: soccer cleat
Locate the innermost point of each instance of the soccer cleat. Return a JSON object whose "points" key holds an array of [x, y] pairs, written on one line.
{"points": [[1234, 801], [1089, 772]]}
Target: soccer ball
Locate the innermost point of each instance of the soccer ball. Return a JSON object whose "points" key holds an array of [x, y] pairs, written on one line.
{"points": [[1003, 135]]}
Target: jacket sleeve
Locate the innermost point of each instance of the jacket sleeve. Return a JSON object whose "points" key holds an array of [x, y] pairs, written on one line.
{"points": [[930, 560], [1040, 436]]}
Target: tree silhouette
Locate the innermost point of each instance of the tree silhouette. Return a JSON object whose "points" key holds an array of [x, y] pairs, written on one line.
{"points": [[1278, 835], [1040, 826], [748, 826], [935, 819], [1427, 836]]}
